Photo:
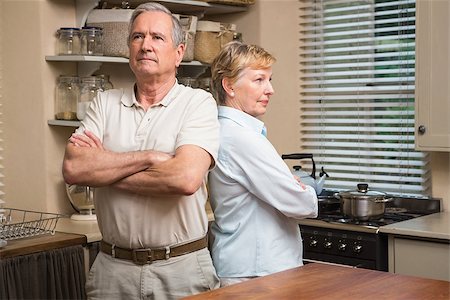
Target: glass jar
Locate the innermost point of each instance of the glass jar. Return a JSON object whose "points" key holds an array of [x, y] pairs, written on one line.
{"points": [[204, 83], [188, 81], [92, 41], [106, 84], [68, 41], [67, 93], [90, 86]]}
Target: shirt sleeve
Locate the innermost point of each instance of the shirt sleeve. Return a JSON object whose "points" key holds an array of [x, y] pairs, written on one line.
{"points": [[255, 164], [201, 127], [95, 114]]}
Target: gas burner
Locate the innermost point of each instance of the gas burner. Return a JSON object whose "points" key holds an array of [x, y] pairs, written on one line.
{"points": [[368, 223], [395, 210]]}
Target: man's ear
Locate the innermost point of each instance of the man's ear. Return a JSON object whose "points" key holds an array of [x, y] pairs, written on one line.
{"points": [[180, 52]]}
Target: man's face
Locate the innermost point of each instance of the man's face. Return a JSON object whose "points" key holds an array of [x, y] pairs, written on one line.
{"points": [[152, 51]]}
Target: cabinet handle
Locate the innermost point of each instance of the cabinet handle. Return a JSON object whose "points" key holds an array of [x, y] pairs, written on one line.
{"points": [[422, 129]]}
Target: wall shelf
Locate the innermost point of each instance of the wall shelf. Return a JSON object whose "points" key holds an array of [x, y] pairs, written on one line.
{"points": [[198, 8], [88, 64], [64, 123]]}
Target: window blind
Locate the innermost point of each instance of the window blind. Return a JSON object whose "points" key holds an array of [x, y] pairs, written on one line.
{"points": [[357, 84]]}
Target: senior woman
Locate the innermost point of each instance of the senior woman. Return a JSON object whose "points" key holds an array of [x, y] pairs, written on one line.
{"points": [[255, 198]]}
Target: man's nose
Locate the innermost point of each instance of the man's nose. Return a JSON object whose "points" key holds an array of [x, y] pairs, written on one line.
{"points": [[146, 43]]}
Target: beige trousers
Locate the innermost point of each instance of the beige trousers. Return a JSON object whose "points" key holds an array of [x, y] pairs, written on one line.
{"points": [[177, 277]]}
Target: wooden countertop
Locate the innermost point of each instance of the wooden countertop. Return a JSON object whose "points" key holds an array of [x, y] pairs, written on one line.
{"points": [[40, 243], [436, 226], [323, 281]]}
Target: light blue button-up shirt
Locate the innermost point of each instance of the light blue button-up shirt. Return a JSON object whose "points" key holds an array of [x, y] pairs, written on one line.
{"points": [[256, 202]]}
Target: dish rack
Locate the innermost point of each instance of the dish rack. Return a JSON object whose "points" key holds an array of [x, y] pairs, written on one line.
{"points": [[18, 223]]}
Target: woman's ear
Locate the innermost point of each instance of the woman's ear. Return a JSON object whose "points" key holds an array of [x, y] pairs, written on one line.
{"points": [[228, 87]]}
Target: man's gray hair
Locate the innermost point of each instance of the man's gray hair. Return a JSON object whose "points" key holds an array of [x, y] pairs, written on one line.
{"points": [[177, 30]]}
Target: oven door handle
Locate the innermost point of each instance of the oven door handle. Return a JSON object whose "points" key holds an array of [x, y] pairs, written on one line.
{"points": [[327, 263]]}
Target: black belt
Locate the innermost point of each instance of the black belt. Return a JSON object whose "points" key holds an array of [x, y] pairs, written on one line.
{"points": [[147, 256]]}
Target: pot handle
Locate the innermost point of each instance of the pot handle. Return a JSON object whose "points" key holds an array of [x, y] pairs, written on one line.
{"points": [[383, 200]]}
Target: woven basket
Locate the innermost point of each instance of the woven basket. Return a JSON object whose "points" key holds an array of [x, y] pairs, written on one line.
{"points": [[210, 39], [189, 24], [115, 35], [115, 29]]}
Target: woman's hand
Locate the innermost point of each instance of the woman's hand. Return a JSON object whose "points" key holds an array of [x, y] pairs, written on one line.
{"points": [[299, 181]]}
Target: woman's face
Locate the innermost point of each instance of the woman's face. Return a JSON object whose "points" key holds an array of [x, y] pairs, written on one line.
{"points": [[251, 92]]}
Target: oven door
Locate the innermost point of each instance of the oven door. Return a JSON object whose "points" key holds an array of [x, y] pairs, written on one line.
{"points": [[338, 260], [343, 247]]}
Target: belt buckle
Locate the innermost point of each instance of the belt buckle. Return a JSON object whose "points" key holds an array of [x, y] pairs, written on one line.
{"points": [[142, 256]]}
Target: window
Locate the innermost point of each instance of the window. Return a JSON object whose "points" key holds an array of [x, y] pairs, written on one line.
{"points": [[357, 68]]}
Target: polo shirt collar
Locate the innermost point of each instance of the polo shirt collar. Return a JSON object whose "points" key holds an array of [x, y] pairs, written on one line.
{"points": [[171, 95]]}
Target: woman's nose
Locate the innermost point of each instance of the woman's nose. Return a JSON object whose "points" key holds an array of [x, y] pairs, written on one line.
{"points": [[269, 88]]}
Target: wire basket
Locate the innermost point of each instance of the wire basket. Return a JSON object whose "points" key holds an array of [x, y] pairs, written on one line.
{"points": [[18, 223]]}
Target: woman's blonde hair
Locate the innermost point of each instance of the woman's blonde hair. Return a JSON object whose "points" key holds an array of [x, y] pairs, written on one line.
{"points": [[232, 59]]}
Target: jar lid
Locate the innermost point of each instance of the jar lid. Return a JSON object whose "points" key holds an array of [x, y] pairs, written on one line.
{"points": [[69, 28], [91, 79], [69, 78], [92, 28]]}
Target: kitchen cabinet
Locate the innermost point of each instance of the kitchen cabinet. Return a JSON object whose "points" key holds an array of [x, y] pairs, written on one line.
{"points": [[432, 75], [43, 267], [420, 246], [87, 65], [418, 257]]}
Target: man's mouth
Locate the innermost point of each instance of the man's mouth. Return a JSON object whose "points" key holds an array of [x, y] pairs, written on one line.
{"points": [[147, 58]]}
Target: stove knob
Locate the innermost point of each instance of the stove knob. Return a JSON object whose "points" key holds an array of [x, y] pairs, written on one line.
{"points": [[357, 248], [342, 247], [313, 243], [327, 245]]}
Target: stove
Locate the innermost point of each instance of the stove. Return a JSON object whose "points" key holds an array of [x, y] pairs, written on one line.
{"points": [[334, 238]]}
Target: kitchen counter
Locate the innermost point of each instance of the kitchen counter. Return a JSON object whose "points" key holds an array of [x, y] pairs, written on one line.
{"points": [[40, 243], [87, 228], [324, 281], [434, 226]]}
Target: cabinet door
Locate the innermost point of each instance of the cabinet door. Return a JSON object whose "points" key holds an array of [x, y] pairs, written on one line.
{"points": [[422, 258], [432, 75]]}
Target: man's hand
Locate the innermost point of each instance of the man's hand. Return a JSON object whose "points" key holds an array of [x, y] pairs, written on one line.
{"points": [[87, 140]]}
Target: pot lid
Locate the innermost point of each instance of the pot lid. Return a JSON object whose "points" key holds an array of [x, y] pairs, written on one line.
{"points": [[363, 192]]}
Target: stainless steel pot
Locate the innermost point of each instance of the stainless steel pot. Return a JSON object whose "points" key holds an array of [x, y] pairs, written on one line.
{"points": [[363, 204]]}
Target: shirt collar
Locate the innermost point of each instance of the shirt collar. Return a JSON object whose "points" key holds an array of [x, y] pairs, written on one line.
{"points": [[171, 95], [241, 118]]}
